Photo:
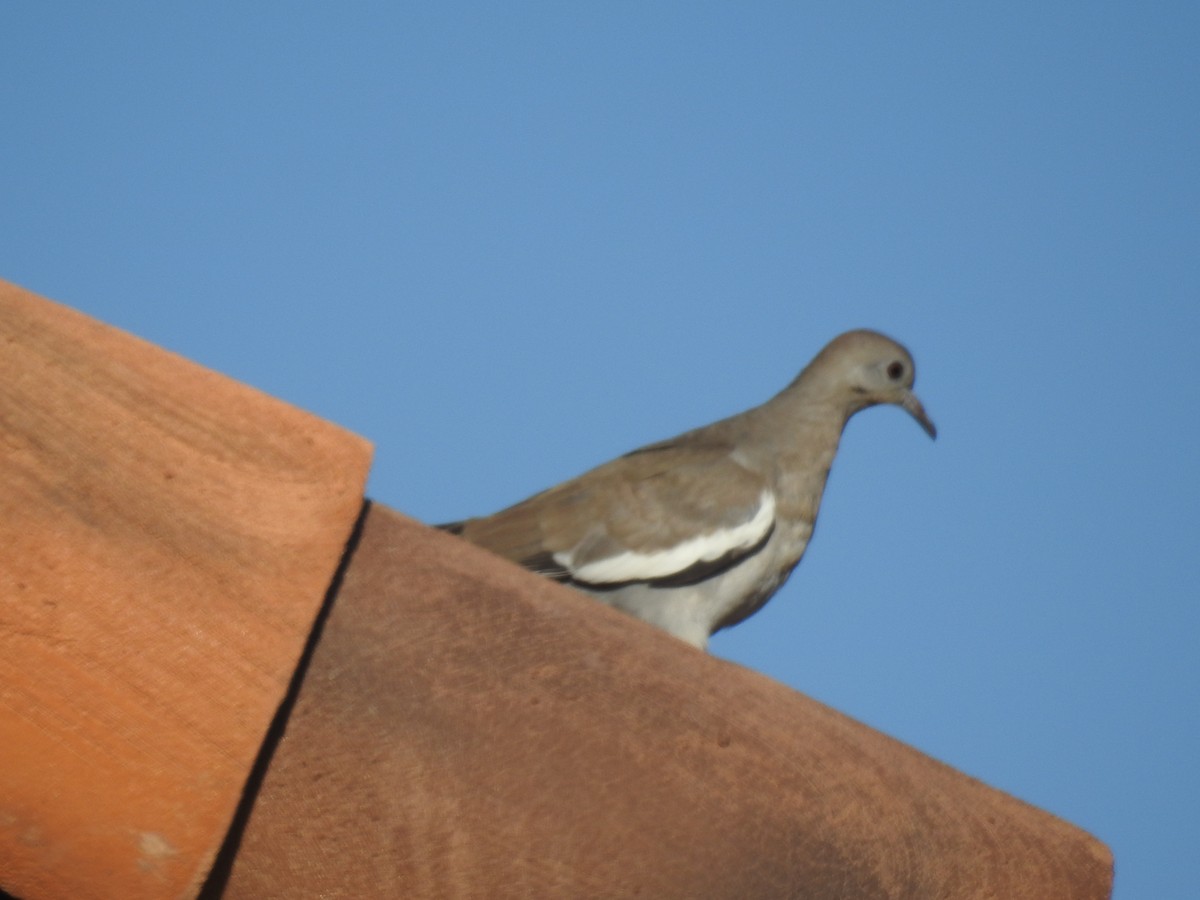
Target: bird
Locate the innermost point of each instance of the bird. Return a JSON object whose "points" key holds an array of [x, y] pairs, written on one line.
{"points": [[695, 533]]}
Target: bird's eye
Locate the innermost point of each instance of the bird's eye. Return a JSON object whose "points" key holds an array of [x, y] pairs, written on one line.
{"points": [[895, 370]]}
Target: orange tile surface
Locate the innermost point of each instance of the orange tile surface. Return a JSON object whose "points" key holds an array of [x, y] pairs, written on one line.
{"points": [[469, 730], [166, 537]]}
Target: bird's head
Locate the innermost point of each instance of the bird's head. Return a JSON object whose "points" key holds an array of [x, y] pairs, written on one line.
{"points": [[865, 368]]}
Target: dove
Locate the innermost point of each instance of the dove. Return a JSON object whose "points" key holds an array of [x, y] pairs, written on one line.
{"points": [[696, 533]]}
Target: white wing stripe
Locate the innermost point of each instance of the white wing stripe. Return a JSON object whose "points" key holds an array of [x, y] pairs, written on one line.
{"points": [[632, 566]]}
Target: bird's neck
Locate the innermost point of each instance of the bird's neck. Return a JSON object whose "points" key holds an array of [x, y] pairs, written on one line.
{"points": [[799, 418], [799, 435]]}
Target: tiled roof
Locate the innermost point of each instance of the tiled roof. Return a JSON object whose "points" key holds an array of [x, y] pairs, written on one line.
{"points": [[462, 728]]}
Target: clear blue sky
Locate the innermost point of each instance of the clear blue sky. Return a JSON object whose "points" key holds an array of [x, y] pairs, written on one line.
{"points": [[508, 241]]}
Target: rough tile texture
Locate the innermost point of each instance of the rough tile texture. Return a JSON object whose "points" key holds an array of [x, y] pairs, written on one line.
{"points": [[469, 730], [166, 538]]}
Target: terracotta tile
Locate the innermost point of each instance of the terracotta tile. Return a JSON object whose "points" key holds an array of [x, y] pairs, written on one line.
{"points": [[469, 730], [166, 537]]}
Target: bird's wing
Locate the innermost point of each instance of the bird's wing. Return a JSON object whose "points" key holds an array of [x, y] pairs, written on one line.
{"points": [[666, 514]]}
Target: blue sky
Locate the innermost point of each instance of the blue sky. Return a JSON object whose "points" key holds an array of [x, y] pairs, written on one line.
{"points": [[509, 241]]}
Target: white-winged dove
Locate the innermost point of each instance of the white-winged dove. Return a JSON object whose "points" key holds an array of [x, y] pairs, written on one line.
{"points": [[695, 533]]}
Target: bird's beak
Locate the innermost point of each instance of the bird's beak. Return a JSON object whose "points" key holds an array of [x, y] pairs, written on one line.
{"points": [[913, 407]]}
